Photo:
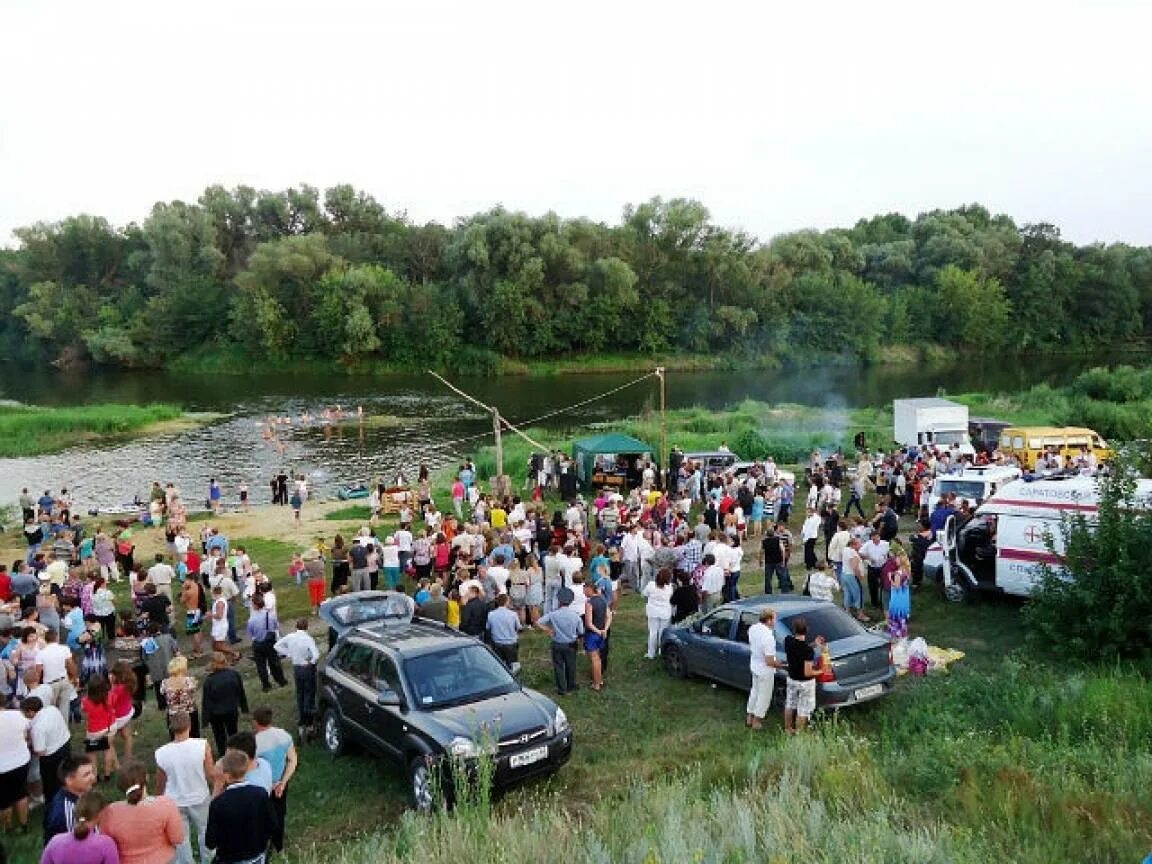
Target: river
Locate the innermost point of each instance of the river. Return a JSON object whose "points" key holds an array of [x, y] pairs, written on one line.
{"points": [[424, 417]]}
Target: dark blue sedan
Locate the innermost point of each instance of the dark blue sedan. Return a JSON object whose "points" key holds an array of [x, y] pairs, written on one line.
{"points": [[715, 646]]}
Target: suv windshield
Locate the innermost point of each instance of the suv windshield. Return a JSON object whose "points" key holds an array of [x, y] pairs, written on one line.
{"points": [[831, 623], [458, 675]]}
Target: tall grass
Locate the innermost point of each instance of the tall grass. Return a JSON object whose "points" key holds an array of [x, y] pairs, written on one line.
{"points": [[775, 811], [1025, 765], [29, 431]]}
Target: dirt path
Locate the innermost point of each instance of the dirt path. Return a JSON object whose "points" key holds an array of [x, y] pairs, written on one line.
{"points": [[267, 521]]}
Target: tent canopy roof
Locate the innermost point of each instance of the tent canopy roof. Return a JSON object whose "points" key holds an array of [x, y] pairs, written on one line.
{"points": [[612, 442]]}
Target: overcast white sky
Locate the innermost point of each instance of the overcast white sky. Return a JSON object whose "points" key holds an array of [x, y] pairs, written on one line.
{"points": [[776, 115]]}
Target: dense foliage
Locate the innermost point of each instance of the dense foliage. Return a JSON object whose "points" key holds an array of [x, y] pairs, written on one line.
{"points": [[300, 274], [1099, 606]]}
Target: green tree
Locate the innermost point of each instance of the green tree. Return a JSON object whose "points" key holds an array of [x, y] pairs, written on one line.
{"points": [[971, 309], [275, 294]]}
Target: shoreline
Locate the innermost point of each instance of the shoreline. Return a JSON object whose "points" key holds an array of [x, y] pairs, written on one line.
{"points": [[234, 364], [28, 431]]}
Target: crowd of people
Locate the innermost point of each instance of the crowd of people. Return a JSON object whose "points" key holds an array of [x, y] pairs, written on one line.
{"points": [[84, 629], [87, 628]]}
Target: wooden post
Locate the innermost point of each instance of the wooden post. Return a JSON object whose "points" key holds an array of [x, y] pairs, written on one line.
{"points": [[499, 443], [663, 430]]}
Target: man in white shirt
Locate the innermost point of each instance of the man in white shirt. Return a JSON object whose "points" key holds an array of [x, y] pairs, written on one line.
{"points": [[763, 662], [809, 533], [554, 576], [57, 670], [630, 554], [875, 555], [183, 769], [162, 575], [301, 649], [496, 580], [573, 517], [403, 539], [711, 584], [524, 535], [50, 740]]}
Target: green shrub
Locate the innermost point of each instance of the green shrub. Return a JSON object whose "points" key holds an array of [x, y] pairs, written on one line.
{"points": [[1099, 606]]}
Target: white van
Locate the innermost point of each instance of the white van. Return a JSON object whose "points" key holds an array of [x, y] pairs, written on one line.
{"points": [[974, 484], [1005, 542]]}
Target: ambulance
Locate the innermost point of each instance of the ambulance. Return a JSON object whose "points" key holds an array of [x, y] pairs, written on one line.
{"points": [[1013, 534], [975, 484]]}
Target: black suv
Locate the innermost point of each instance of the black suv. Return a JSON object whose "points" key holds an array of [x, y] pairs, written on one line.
{"points": [[430, 698]]}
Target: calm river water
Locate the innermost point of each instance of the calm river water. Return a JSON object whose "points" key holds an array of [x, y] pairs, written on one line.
{"points": [[424, 415]]}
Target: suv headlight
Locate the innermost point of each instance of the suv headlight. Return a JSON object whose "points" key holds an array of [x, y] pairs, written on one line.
{"points": [[560, 723], [466, 748]]}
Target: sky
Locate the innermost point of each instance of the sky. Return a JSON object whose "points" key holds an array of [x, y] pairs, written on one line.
{"points": [[777, 116]]}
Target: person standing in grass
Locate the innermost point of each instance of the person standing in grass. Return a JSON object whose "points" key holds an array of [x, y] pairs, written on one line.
{"points": [[800, 697], [195, 603], [220, 643], [852, 580], [77, 777], [763, 662], [83, 844], [565, 628], [275, 746], [146, 829], [264, 631], [184, 768], [658, 610], [241, 820], [100, 717], [301, 649], [14, 763], [597, 624], [224, 698], [50, 740], [179, 693]]}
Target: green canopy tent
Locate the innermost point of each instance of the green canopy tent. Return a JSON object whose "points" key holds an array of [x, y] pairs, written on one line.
{"points": [[609, 459]]}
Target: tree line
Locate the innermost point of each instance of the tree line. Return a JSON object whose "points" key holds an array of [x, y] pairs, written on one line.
{"points": [[335, 276]]}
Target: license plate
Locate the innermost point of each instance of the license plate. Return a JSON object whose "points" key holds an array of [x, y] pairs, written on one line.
{"points": [[519, 760], [868, 692]]}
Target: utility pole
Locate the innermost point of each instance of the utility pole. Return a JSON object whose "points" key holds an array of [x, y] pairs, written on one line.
{"points": [[663, 429], [497, 422], [499, 443]]}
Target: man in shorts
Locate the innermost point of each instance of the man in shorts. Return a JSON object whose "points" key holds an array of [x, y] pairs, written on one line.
{"points": [[800, 697], [763, 663]]}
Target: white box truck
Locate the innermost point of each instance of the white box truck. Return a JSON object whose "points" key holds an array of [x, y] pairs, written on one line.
{"points": [[931, 422]]}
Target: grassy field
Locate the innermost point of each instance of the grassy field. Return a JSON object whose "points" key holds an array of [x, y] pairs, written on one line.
{"points": [[1006, 758], [31, 431]]}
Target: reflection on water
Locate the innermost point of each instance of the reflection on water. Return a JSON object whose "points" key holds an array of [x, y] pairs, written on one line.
{"points": [[413, 419]]}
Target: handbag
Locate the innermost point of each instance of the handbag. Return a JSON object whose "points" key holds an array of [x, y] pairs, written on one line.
{"points": [[270, 635]]}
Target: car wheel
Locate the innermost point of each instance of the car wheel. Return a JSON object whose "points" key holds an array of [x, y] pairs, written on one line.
{"points": [[332, 733], [674, 662], [422, 782]]}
